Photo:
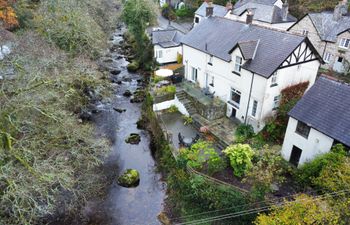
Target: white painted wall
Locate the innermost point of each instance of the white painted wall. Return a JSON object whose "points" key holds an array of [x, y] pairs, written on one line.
{"points": [[317, 143], [243, 17], [167, 104], [169, 55], [224, 80]]}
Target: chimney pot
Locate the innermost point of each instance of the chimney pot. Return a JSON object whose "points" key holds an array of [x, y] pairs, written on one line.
{"points": [[250, 16], [285, 10], [209, 10]]}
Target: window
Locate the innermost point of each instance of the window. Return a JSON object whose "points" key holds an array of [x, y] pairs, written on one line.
{"points": [[159, 54], [194, 74], [302, 129], [254, 108], [276, 102], [238, 65], [340, 59], [327, 57], [344, 43], [196, 19], [274, 79], [305, 32], [212, 81], [235, 97], [210, 60]]}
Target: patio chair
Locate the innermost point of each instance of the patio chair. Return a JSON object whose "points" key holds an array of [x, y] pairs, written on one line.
{"points": [[195, 139], [181, 139]]}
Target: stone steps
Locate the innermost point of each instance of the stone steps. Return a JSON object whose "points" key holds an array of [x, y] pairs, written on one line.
{"points": [[183, 98]]}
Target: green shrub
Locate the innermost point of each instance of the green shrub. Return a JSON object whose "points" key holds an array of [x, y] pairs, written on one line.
{"points": [[311, 170], [244, 132], [187, 120], [168, 12], [179, 58], [240, 156], [202, 153], [133, 66], [170, 89], [185, 12], [156, 79], [173, 109]]}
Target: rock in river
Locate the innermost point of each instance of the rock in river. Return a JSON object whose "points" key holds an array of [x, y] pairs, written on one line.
{"points": [[119, 110], [127, 93], [130, 178], [115, 72], [133, 139]]}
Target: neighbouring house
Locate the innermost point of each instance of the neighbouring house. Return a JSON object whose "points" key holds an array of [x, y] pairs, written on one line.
{"points": [[167, 45], [318, 121], [329, 33], [247, 66], [270, 13], [208, 9]]}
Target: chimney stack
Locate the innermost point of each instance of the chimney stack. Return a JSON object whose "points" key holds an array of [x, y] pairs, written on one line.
{"points": [[209, 10], [340, 10], [285, 10], [250, 16]]}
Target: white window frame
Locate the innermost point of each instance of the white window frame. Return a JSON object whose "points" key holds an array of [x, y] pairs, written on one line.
{"points": [[344, 43], [254, 108], [274, 79], [238, 65], [194, 74], [159, 54], [276, 102], [231, 95], [327, 57]]}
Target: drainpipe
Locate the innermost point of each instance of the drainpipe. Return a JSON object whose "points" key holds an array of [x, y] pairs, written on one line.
{"points": [[250, 94]]}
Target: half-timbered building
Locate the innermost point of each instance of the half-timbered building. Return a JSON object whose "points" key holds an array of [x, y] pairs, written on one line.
{"points": [[247, 66]]}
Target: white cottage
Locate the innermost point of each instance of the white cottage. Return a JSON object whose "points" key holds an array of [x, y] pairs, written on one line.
{"points": [[167, 45], [269, 13], [247, 66], [318, 121]]}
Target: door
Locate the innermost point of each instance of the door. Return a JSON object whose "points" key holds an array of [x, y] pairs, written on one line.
{"points": [[339, 65], [194, 75], [207, 80], [295, 156], [233, 113]]}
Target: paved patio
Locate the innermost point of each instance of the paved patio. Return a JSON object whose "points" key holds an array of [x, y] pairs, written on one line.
{"points": [[223, 129], [174, 125]]}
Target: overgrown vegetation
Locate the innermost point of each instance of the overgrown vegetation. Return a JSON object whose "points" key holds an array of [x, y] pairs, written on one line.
{"points": [[48, 156], [165, 90], [138, 15], [276, 127]]}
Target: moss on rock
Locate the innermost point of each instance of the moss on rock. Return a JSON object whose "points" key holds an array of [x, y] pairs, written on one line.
{"points": [[130, 178]]}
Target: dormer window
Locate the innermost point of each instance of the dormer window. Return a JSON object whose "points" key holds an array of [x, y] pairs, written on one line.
{"points": [[238, 65], [274, 79], [344, 43], [210, 60]]}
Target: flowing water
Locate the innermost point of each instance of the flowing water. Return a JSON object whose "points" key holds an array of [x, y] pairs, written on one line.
{"points": [[129, 206]]}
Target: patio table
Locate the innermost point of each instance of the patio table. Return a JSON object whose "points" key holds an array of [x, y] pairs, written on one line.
{"points": [[187, 141]]}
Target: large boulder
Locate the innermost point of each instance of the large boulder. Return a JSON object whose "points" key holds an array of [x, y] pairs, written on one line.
{"points": [[133, 139], [139, 96], [133, 67], [130, 178]]}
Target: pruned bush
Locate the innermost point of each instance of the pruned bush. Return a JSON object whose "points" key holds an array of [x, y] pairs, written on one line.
{"points": [[185, 12], [165, 90], [240, 156]]}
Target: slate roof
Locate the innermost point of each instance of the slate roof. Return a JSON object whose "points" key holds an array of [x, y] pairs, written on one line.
{"points": [[264, 2], [167, 38], [327, 28], [248, 48], [218, 10], [326, 108], [268, 13], [218, 36]]}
